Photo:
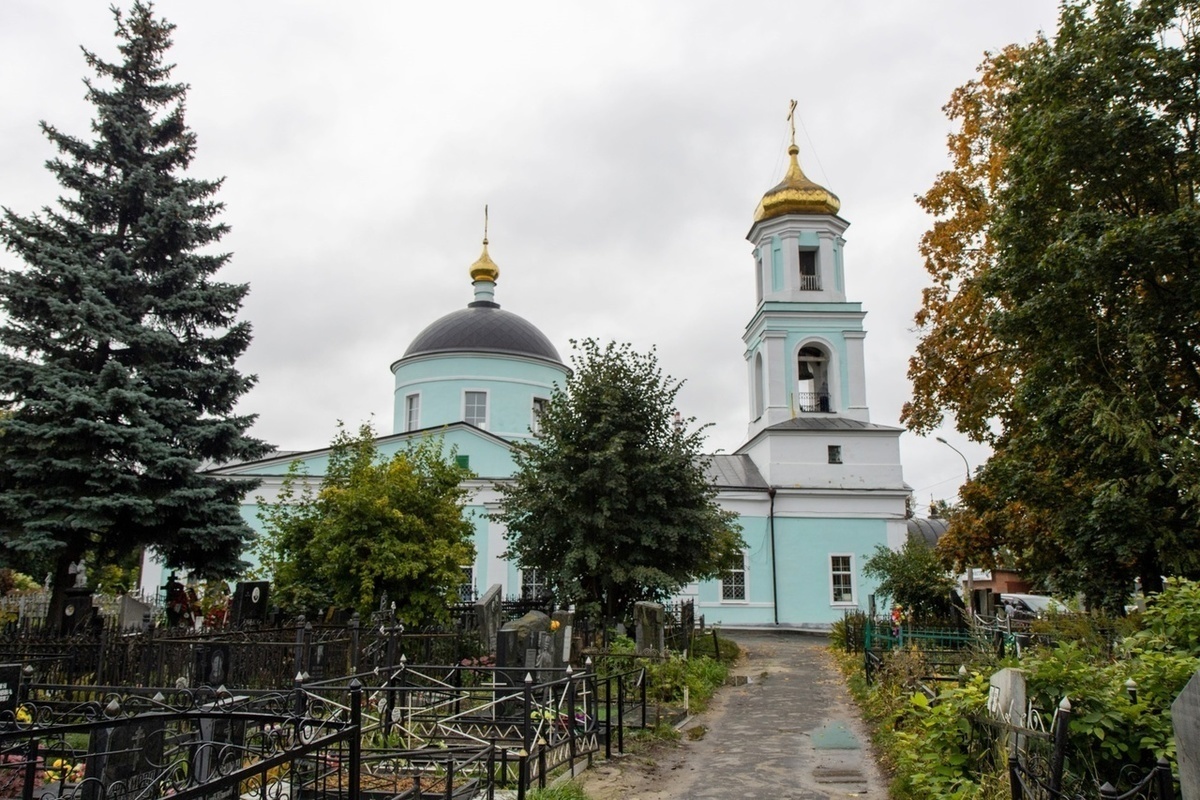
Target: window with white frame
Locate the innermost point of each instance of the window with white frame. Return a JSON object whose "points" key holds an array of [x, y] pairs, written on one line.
{"points": [[539, 408], [466, 589], [533, 585], [841, 577], [733, 582], [412, 412], [475, 409]]}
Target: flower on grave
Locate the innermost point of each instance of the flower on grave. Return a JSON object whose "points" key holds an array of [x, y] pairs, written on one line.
{"points": [[64, 771], [24, 716], [555, 625]]}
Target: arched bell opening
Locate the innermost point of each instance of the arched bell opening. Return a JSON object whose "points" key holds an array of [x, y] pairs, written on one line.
{"points": [[812, 380]]}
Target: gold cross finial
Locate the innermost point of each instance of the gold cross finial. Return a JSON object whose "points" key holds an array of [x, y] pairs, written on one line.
{"points": [[792, 119], [485, 219]]}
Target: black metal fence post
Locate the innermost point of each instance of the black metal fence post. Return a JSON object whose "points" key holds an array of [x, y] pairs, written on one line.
{"points": [[571, 717], [620, 713], [645, 677], [356, 739], [31, 759], [608, 717], [1061, 718], [1014, 775], [298, 659], [526, 737], [355, 624], [1164, 779]]}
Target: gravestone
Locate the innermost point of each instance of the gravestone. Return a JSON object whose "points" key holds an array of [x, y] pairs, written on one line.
{"points": [[250, 602], [210, 665], [518, 644], [1006, 701], [10, 690], [219, 748], [77, 610], [649, 627], [132, 613], [489, 614], [563, 636], [124, 759], [1185, 716]]}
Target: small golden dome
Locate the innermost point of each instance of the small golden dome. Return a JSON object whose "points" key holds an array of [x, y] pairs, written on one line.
{"points": [[796, 194], [484, 269]]}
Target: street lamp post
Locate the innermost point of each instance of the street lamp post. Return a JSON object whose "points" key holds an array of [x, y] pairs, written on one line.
{"points": [[970, 569]]}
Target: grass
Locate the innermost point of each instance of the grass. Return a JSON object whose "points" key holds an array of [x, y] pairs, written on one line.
{"points": [[564, 791]]}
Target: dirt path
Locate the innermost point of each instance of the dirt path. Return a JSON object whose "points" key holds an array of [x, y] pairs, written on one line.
{"points": [[790, 732]]}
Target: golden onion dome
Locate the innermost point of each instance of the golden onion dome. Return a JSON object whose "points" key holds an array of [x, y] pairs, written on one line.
{"points": [[796, 194], [484, 269]]}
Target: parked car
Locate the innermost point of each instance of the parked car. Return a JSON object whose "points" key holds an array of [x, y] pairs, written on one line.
{"points": [[1030, 606]]}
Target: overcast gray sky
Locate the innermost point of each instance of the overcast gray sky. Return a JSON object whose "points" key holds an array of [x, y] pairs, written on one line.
{"points": [[622, 148]]}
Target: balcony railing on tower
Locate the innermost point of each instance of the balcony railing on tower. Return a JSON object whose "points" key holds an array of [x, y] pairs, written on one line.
{"points": [[813, 402]]}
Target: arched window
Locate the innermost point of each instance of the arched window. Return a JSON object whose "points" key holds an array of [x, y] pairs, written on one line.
{"points": [[812, 380]]}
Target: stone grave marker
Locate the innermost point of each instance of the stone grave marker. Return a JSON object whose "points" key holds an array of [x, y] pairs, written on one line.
{"points": [[123, 759], [10, 689], [649, 628], [1185, 716], [489, 615], [1006, 701]]}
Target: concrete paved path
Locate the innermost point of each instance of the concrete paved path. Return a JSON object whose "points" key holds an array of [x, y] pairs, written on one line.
{"points": [[791, 731]]}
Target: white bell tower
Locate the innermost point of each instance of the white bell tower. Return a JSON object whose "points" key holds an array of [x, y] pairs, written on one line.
{"points": [[804, 344]]}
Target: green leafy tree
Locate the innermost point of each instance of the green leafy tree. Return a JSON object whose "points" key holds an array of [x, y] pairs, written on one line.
{"points": [[610, 504], [1091, 296], [913, 577], [375, 525], [118, 345]]}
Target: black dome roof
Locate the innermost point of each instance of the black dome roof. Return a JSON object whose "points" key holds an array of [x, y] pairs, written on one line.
{"points": [[483, 327]]}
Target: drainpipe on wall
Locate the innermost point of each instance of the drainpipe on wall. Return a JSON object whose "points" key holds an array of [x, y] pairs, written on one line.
{"points": [[774, 568]]}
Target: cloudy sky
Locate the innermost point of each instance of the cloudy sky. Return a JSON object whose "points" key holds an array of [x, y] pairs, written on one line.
{"points": [[621, 146]]}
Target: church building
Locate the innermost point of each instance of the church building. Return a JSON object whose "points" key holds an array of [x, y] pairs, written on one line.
{"points": [[816, 486]]}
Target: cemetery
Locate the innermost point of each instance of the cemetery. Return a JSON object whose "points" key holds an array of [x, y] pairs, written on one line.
{"points": [[1072, 705], [502, 700]]}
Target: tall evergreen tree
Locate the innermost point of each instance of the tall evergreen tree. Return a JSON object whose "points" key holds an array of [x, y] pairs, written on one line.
{"points": [[118, 345]]}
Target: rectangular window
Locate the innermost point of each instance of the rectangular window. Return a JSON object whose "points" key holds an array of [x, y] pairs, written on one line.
{"points": [[733, 583], [809, 280], [835, 454], [533, 586], [475, 409], [412, 412], [539, 408], [841, 575], [462, 462]]}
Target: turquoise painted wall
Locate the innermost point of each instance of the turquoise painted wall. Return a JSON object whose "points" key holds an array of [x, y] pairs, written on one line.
{"points": [[803, 547], [511, 384]]}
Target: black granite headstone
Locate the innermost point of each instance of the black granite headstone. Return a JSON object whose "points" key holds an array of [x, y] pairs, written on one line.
{"points": [[124, 759], [10, 688], [250, 602]]}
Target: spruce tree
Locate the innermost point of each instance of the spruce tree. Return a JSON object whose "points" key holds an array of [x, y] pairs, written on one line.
{"points": [[118, 345]]}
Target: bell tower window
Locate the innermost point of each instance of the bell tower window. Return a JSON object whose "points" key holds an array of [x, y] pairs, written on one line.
{"points": [[812, 380], [810, 280]]}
